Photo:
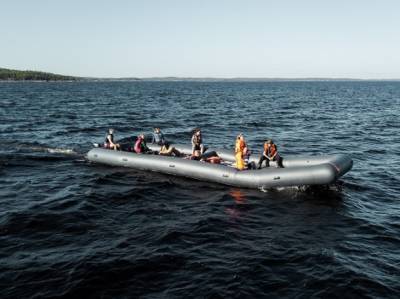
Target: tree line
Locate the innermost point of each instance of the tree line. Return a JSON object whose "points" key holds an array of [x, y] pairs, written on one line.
{"points": [[15, 75]]}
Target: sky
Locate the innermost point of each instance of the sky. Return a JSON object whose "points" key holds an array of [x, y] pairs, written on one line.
{"points": [[203, 38]]}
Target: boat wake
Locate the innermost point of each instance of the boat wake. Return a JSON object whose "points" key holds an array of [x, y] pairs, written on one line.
{"points": [[66, 151], [41, 148], [29, 154]]}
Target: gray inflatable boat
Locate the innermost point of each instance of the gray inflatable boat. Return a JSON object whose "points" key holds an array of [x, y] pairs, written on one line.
{"points": [[297, 171]]}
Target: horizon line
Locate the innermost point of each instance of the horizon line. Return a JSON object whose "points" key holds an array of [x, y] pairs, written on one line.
{"points": [[177, 78], [237, 78]]}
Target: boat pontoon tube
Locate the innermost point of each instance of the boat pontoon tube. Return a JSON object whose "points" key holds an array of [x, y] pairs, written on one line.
{"points": [[297, 171]]}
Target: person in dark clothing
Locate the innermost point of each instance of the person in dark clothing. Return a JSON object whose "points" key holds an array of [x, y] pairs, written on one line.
{"points": [[196, 155], [211, 157], [197, 142], [109, 141], [158, 137]]}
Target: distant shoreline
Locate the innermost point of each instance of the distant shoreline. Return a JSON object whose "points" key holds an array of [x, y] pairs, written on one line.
{"points": [[263, 79], [210, 80], [9, 75], [16, 75]]}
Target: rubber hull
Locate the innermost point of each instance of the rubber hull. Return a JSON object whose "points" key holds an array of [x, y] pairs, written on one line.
{"points": [[297, 171]]}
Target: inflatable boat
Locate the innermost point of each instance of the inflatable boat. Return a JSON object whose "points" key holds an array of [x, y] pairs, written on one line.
{"points": [[296, 171]]}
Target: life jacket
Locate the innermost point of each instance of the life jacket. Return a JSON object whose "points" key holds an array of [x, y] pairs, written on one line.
{"points": [[138, 145], [111, 137], [197, 140], [158, 138], [270, 149]]}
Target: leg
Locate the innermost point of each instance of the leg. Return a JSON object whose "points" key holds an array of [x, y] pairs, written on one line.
{"points": [[239, 161], [202, 149], [262, 159], [176, 152], [280, 162], [169, 151], [260, 162], [266, 162]]}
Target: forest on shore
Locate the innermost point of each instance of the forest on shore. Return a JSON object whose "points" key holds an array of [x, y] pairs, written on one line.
{"points": [[15, 75]]}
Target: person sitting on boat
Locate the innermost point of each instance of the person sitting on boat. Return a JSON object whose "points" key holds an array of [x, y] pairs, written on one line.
{"points": [[211, 157], [168, 150], [109, 141], [270, 153], [197, 142], [158, 137], [141, 146], [195, 156], [240, 151]]}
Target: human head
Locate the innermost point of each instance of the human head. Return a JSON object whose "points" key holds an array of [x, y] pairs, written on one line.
{"points": [[269, 141], [157, 130], [111, 131], [141, 136]]}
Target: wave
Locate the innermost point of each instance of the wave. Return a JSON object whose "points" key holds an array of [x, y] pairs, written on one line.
{"points": [[26, 147], [30, 154], [67, 151]]}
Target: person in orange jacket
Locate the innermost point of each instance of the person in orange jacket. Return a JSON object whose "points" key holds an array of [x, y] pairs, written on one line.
{"points": [[240, 151], [270, 153]]}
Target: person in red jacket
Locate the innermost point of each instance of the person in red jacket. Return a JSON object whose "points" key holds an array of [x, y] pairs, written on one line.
{"points": [[270, 153], [141, 146]]}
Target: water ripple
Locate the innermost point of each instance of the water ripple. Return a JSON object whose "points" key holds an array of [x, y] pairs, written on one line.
{"points": [[72, 229]]}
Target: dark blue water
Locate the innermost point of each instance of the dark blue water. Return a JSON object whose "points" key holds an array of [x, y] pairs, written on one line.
{"points": [[71, 229]]}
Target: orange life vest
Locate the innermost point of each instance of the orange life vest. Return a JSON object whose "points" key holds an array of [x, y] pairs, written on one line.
{"points": [[239, 146], [270, 149]]}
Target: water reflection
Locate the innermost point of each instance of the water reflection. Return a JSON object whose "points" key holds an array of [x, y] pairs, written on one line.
{"points": [[238, 196]]}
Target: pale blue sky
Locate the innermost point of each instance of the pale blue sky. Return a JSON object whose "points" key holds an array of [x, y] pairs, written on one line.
{"points": [[203, 38]]}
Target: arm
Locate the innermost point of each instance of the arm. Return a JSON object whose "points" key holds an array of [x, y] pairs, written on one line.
{"points": [[192, 140], [193, 145], [275, 153], [110, 141]]}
